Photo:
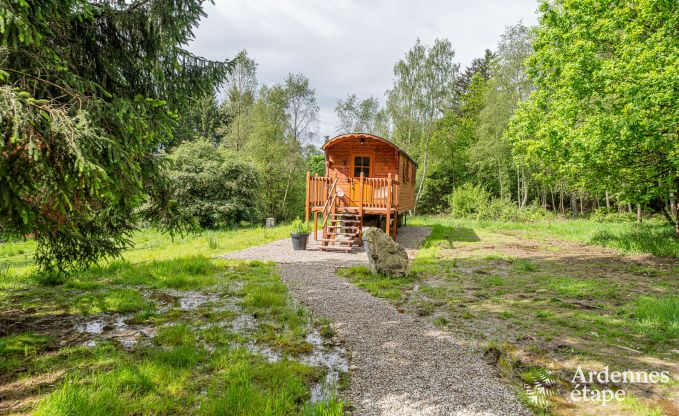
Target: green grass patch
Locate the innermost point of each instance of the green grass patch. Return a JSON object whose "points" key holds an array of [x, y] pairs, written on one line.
{"points": [[659, 317], [17, 266], [194, 364], [581, 288], [115, 300], [631, 238], [523, 265], [377, 284]]}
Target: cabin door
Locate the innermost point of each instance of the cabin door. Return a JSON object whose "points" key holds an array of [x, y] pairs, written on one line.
{"points": [[361, 163]]}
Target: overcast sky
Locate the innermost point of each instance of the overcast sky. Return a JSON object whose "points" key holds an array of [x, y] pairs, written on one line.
{"points": [[349, 46]]}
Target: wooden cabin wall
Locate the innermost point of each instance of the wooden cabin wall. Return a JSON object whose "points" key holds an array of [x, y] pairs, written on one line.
{"points": [[385, 159], [339, 159], [406, 175]]}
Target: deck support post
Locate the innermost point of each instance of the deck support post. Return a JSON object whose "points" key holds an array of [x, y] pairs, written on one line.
{"points": [[315, 225], [308, 193], [360, 210], [398, 200], [388, 228]]}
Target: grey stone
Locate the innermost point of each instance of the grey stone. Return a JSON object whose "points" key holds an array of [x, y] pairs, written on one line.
{"points": [[385, 256]]}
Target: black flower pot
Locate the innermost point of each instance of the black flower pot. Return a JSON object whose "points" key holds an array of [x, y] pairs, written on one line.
{"points": [[299, 241]]}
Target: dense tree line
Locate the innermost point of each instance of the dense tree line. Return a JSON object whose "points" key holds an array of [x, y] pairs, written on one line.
{"points": [[575, 115], [269, 128], [107, 121], [90, 91]]}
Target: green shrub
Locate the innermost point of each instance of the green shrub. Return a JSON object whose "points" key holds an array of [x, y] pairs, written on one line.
{"points": [[474, 202], [468, 200], [298, 226], [604, 214], [213, 187]]}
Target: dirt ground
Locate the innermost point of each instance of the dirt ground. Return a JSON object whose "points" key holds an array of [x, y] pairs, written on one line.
{"points": [[540, 307]]}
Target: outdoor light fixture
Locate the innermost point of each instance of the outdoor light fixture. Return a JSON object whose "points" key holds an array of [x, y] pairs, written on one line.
{"points": [[361, 140]]}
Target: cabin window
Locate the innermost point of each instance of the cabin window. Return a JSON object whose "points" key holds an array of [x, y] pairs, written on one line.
{"points": [[362, 164]]}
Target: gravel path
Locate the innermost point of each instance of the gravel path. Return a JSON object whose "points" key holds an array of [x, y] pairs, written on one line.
{"points": [[400, 364]]}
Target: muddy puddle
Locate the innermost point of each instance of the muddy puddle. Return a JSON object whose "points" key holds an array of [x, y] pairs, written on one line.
{"points": [[92, 330], [113, 327], [332, 358]]}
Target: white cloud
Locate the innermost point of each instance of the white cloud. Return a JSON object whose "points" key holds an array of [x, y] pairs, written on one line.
{"points": [[349, 46]]}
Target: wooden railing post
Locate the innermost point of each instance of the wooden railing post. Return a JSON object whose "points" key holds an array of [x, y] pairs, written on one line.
{"points": [[397, 187], [360, 210], [396, 192], [307, 205], [388, 204]]}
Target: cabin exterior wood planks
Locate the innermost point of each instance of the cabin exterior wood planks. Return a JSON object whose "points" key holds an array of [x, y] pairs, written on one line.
{"points": [[366, 176]]}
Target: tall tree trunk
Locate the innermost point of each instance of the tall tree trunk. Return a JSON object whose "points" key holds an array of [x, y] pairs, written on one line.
{"points": [[608, 201], [551, 191], [518, 189], [638, 213], [666, 214], [524, 188], [574, 204], [424, 173], [561, 205], [675, 209], [287, 188], [629, 207]]}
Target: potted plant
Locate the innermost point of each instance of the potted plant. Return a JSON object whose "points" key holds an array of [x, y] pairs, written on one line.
{"points": [[299, 234]]}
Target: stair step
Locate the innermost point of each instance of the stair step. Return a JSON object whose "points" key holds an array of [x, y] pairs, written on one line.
{"points": [[345, 227], [346, 221], [333, 248], [332, 240], [345, 234]]}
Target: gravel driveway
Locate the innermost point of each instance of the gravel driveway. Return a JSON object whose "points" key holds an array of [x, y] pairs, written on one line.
{"points": [[400, 364]]}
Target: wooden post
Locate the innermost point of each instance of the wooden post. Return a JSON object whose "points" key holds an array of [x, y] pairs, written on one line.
{"points": [[308, 193], [396, 193], [333, 203], [388, 228], [325, 200], [360, 210], [397, 203], [315, 225]]}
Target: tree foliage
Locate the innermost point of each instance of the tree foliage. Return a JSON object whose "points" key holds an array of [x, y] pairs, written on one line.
{"points": [[605, 113], [359, 116], [213, 186], [89, 92]]}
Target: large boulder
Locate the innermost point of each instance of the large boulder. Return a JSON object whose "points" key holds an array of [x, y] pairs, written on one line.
{"points": [[385, 256]]}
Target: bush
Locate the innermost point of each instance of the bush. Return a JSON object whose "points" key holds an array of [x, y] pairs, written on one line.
{"points": [[468, 200], [214, 187], [298, 226], [506, 210], [604, 214]]}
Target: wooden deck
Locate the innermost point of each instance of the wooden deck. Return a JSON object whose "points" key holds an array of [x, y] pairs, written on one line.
{"points": [[342, 203]]}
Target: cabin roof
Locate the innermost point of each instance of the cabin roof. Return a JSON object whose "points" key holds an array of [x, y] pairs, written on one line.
{"points": [[348, 136]]}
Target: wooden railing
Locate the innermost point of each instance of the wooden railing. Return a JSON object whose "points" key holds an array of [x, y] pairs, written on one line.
{"points": [[330, 204], [364, 192]]}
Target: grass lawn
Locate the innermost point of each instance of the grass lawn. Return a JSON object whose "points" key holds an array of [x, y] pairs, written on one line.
{"points": [[628, 238], [538, 303], [16, 257], [165, 331]]}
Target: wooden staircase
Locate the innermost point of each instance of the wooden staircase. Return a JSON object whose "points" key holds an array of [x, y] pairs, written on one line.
{"points": [[342, 227], [342, 231]]}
